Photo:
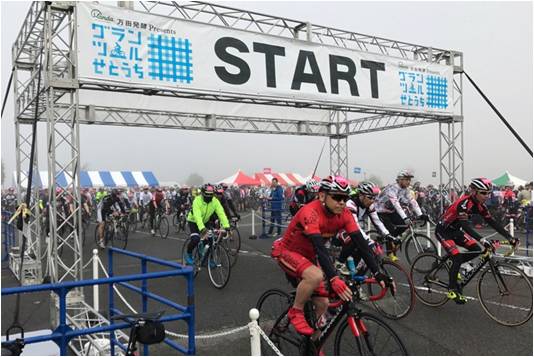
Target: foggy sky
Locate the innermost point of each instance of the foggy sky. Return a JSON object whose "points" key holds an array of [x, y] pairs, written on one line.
{"points": [[495, 38]]}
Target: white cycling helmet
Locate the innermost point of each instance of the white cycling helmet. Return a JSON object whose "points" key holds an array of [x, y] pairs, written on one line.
{"points": [[312, 186], [404, 174], [481, 184]]}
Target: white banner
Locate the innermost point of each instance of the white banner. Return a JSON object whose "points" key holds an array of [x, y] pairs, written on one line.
{"points": [[121, 46]]}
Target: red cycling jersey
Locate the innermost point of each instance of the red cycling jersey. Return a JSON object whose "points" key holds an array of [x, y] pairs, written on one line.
{"points": [[313, 219], [462, 209], [158, 197]]}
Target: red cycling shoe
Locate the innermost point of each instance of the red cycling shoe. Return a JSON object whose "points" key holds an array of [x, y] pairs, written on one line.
{"points": [[297, 319]]}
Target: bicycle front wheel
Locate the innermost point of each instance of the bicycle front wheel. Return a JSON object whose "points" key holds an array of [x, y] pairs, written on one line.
{"points": [[506, 294], [430, 279], [219, 267], [120, 238], [417, 244], [398, 305], [163, 227], [375, 338]]}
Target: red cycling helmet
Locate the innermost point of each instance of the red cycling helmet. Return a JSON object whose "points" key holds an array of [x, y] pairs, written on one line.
{"points": [[335, 184]]}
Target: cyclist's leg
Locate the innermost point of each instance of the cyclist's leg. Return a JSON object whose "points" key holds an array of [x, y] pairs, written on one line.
{"points": [[195, 237], [389, 221], [152, 215], [310, 277]]}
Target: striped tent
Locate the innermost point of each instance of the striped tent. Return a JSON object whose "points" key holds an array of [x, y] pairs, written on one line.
{"points": [[285, 179], [95, 179]]}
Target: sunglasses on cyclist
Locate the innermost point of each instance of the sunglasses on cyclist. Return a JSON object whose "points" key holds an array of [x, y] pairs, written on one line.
{"points": [[485, 193], [370, 197], [340, 198]]}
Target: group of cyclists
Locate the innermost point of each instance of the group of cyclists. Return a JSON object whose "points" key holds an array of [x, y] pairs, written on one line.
{"points": [[321, 210]]}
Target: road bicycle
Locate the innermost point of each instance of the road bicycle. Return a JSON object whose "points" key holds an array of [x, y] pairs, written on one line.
{"points": [[144, 328], [359, 333], [504, 291], [115, 231], [211, 253], [161, 224], [179, 219]]}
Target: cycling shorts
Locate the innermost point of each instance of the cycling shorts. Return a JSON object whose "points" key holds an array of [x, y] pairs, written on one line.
{"points": [[450, 238], [294, 264]]}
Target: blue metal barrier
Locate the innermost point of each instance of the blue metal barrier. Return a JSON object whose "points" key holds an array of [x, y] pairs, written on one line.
{"points": [[63, 333], [8, 234]]}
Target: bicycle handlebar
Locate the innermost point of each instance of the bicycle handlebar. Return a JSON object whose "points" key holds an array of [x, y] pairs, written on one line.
{"points": [[139, 317]]}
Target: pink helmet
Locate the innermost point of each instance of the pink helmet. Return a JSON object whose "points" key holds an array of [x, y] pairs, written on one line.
{"points": [[335, 184]]}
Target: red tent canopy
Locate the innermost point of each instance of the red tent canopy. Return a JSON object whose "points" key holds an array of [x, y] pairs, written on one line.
{"points": [[239, 178]]}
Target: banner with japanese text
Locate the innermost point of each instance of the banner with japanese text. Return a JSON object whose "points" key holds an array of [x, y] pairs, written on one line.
{"points": [[136, 49]]}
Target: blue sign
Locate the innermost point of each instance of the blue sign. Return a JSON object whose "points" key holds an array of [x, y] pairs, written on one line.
{"points": [[357, 170]]}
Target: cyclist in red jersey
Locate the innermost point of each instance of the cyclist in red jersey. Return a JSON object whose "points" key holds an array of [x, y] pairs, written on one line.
{"points": [[303, 246], [157, 199], [454, 229]]}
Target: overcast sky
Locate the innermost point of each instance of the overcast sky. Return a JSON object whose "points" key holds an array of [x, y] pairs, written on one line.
{"points": [[495, 38]]}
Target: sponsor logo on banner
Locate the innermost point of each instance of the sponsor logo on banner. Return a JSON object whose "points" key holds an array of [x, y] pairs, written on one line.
{"points": [[267, 171]]}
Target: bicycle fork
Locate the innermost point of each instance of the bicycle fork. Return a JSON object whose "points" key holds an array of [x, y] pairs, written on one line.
{"points": [[359, 330]]}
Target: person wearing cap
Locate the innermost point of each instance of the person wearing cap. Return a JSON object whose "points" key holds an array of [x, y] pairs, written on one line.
{"points": [[302, 254], [389, 207], [203, 207], [455, 228]]}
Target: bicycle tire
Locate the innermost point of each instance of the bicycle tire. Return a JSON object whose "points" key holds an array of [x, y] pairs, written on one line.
{"points": [[417, 244], [119, 239], [132, 222], [431, 289], [219, 267], [516, 302], [271, 305], [284, 337], [163, 227], [233, 244], [196, 265], [376, 331], [175, 220], [401, 304]]}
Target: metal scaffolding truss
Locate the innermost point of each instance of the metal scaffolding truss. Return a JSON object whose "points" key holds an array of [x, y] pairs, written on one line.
{"points": [[50, 30]]}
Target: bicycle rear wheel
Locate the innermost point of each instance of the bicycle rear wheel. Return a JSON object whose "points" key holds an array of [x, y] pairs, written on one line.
{"points": [[399, 305], [163, 227], [417, 244], [506, 296], [271, 305], [430, 283], [377, 339], [233, 243], [219, 266], [284, 337]]}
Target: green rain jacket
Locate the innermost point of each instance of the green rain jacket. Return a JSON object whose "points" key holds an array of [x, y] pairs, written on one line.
{"points": [[201, 212]]}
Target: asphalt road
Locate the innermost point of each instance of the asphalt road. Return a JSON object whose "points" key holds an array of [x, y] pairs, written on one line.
{"points": [[449, 330]]}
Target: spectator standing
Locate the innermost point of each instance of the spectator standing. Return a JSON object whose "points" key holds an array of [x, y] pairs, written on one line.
{"points": [[525, 195], [277, 198]]}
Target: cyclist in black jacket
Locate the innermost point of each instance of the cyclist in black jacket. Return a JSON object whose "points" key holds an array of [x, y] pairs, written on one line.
{"points": [[106, 207]]}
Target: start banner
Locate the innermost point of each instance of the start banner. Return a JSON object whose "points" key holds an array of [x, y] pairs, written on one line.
{"points": [[126, 47]]}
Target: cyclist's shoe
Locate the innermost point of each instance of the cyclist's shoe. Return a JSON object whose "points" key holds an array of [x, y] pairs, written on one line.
{"points": [[392, 257], [456, 296], [297, 319], [153, 232], [101, 245], [342, 268], [189, 259]]}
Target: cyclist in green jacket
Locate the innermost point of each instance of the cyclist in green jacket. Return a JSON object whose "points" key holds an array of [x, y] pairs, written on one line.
{"points": [[203, 207]]}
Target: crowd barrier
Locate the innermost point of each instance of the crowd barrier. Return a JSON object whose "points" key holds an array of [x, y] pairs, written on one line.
{"points": [[8, 234], [266, 213], [64, 333]]}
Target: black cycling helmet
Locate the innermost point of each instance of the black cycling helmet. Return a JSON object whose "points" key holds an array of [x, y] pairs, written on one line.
{"points": [[368, 189], [208, 190]]}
